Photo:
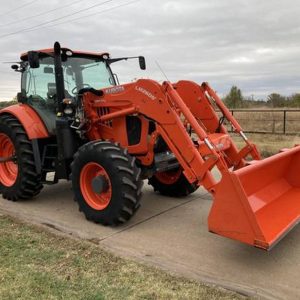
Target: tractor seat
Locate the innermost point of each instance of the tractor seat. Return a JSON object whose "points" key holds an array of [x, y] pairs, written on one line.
{"points": [[221, 141]]}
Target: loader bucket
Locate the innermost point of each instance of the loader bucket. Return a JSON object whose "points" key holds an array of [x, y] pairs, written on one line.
{"points": [[260, 203]]}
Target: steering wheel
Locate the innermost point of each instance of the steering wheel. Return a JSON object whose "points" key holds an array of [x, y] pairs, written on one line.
{"points": [[75, 90]]}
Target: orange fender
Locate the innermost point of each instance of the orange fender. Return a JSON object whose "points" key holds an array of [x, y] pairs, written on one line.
{"points": [[30, 120]]}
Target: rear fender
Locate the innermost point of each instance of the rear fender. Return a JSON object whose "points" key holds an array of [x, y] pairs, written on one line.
{"points": [[30, 120]]}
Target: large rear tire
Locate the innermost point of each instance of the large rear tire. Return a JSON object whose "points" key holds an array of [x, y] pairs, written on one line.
{"points": [[18, 178], [106, 183], [172, 183]]}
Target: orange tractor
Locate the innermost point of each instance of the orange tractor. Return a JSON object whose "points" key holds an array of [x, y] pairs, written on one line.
{"points": [[75, 120]]}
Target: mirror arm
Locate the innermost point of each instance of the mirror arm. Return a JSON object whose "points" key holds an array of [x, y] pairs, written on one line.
{"points": [[140, 58], [113, 60]]}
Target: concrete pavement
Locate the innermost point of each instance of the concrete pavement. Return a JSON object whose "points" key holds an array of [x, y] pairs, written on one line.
{"points": [[172, 234]]}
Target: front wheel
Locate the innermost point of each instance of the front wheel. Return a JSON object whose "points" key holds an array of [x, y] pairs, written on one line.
{"points": [[172, 183], [106, 183]]}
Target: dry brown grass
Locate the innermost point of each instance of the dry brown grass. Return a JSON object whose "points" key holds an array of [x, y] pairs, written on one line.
{"points": [[268, 144]]}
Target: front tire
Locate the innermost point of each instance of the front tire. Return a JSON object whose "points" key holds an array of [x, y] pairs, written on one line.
{"points": [[18, 178], [106, 183]]}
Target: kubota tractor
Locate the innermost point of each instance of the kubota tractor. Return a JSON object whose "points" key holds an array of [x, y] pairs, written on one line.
{"points": [[74, 120]]}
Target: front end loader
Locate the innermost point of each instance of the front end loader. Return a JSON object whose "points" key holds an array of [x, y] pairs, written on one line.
{"points": [[75, 121]]}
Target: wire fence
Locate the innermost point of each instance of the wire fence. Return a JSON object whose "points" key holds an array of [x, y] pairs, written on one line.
{"points": [[268, 121]]}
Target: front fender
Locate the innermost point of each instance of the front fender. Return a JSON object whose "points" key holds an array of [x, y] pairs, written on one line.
{"points": [[30, 120]]}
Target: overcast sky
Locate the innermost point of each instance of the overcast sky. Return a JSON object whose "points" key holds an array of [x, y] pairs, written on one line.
{"points": [[252, 44]]}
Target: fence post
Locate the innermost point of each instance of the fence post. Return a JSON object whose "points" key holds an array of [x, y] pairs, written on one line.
{"points": [[284, 121]]}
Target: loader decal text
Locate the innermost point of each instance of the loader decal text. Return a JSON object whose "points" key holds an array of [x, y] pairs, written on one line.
{"points": [[145, 92], [115, 90]]}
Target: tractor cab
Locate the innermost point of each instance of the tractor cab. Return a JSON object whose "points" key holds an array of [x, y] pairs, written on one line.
{"points": [[79, 70]]}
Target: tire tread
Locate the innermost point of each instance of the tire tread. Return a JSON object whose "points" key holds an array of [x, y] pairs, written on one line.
{"points": [[29, 184]]}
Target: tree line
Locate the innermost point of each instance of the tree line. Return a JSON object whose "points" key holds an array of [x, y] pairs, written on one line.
{"points": [[7, 103], [235, 99]]}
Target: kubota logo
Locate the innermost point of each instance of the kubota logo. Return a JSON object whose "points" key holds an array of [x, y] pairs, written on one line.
{"points": [[145, 92], [115, 90]]}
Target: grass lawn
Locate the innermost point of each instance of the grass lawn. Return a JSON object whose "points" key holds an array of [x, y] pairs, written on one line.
{"points": [[36, 264]]}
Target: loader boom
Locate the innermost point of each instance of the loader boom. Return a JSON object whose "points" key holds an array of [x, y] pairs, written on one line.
{"points": [[171, 114]]}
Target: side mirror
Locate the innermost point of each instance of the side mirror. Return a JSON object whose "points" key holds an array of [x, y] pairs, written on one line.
{"points": [[33, 59], [142, 62], [15, 67]]}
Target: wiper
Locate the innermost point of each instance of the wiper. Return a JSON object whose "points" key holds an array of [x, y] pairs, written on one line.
{"points": [[90, 66]]}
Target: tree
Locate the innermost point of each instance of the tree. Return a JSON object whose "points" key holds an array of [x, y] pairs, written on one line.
{"points": [[294, 100], [234, 99], [276, 100]]}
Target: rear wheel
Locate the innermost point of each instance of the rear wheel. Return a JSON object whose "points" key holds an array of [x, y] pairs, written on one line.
{"points": [[172, 183], [106, 183], [18, 176]]}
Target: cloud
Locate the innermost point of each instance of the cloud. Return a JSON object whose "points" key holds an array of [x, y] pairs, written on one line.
{"points": [[242, 60], [252, 44]]}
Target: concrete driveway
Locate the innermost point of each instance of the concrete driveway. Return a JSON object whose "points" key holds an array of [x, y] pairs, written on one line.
{"points": [[172, 234]]}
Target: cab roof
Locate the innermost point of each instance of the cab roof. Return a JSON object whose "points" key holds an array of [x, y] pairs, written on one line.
{"points": [[50, 51]]}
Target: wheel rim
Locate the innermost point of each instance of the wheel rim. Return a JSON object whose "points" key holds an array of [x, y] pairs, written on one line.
{"points": [[98, 201], [8, 170], [168, 177]]}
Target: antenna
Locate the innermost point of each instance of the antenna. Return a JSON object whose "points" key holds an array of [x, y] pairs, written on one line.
{"points": [[160, 68]]}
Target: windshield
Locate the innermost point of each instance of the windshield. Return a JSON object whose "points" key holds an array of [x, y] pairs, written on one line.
{"points": [[79, 72]]}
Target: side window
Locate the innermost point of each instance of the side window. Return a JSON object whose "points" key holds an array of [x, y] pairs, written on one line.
{"points": [[39, 83]]}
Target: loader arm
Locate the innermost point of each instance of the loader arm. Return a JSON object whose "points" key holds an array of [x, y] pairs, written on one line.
{"points": [[164, 105]]}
